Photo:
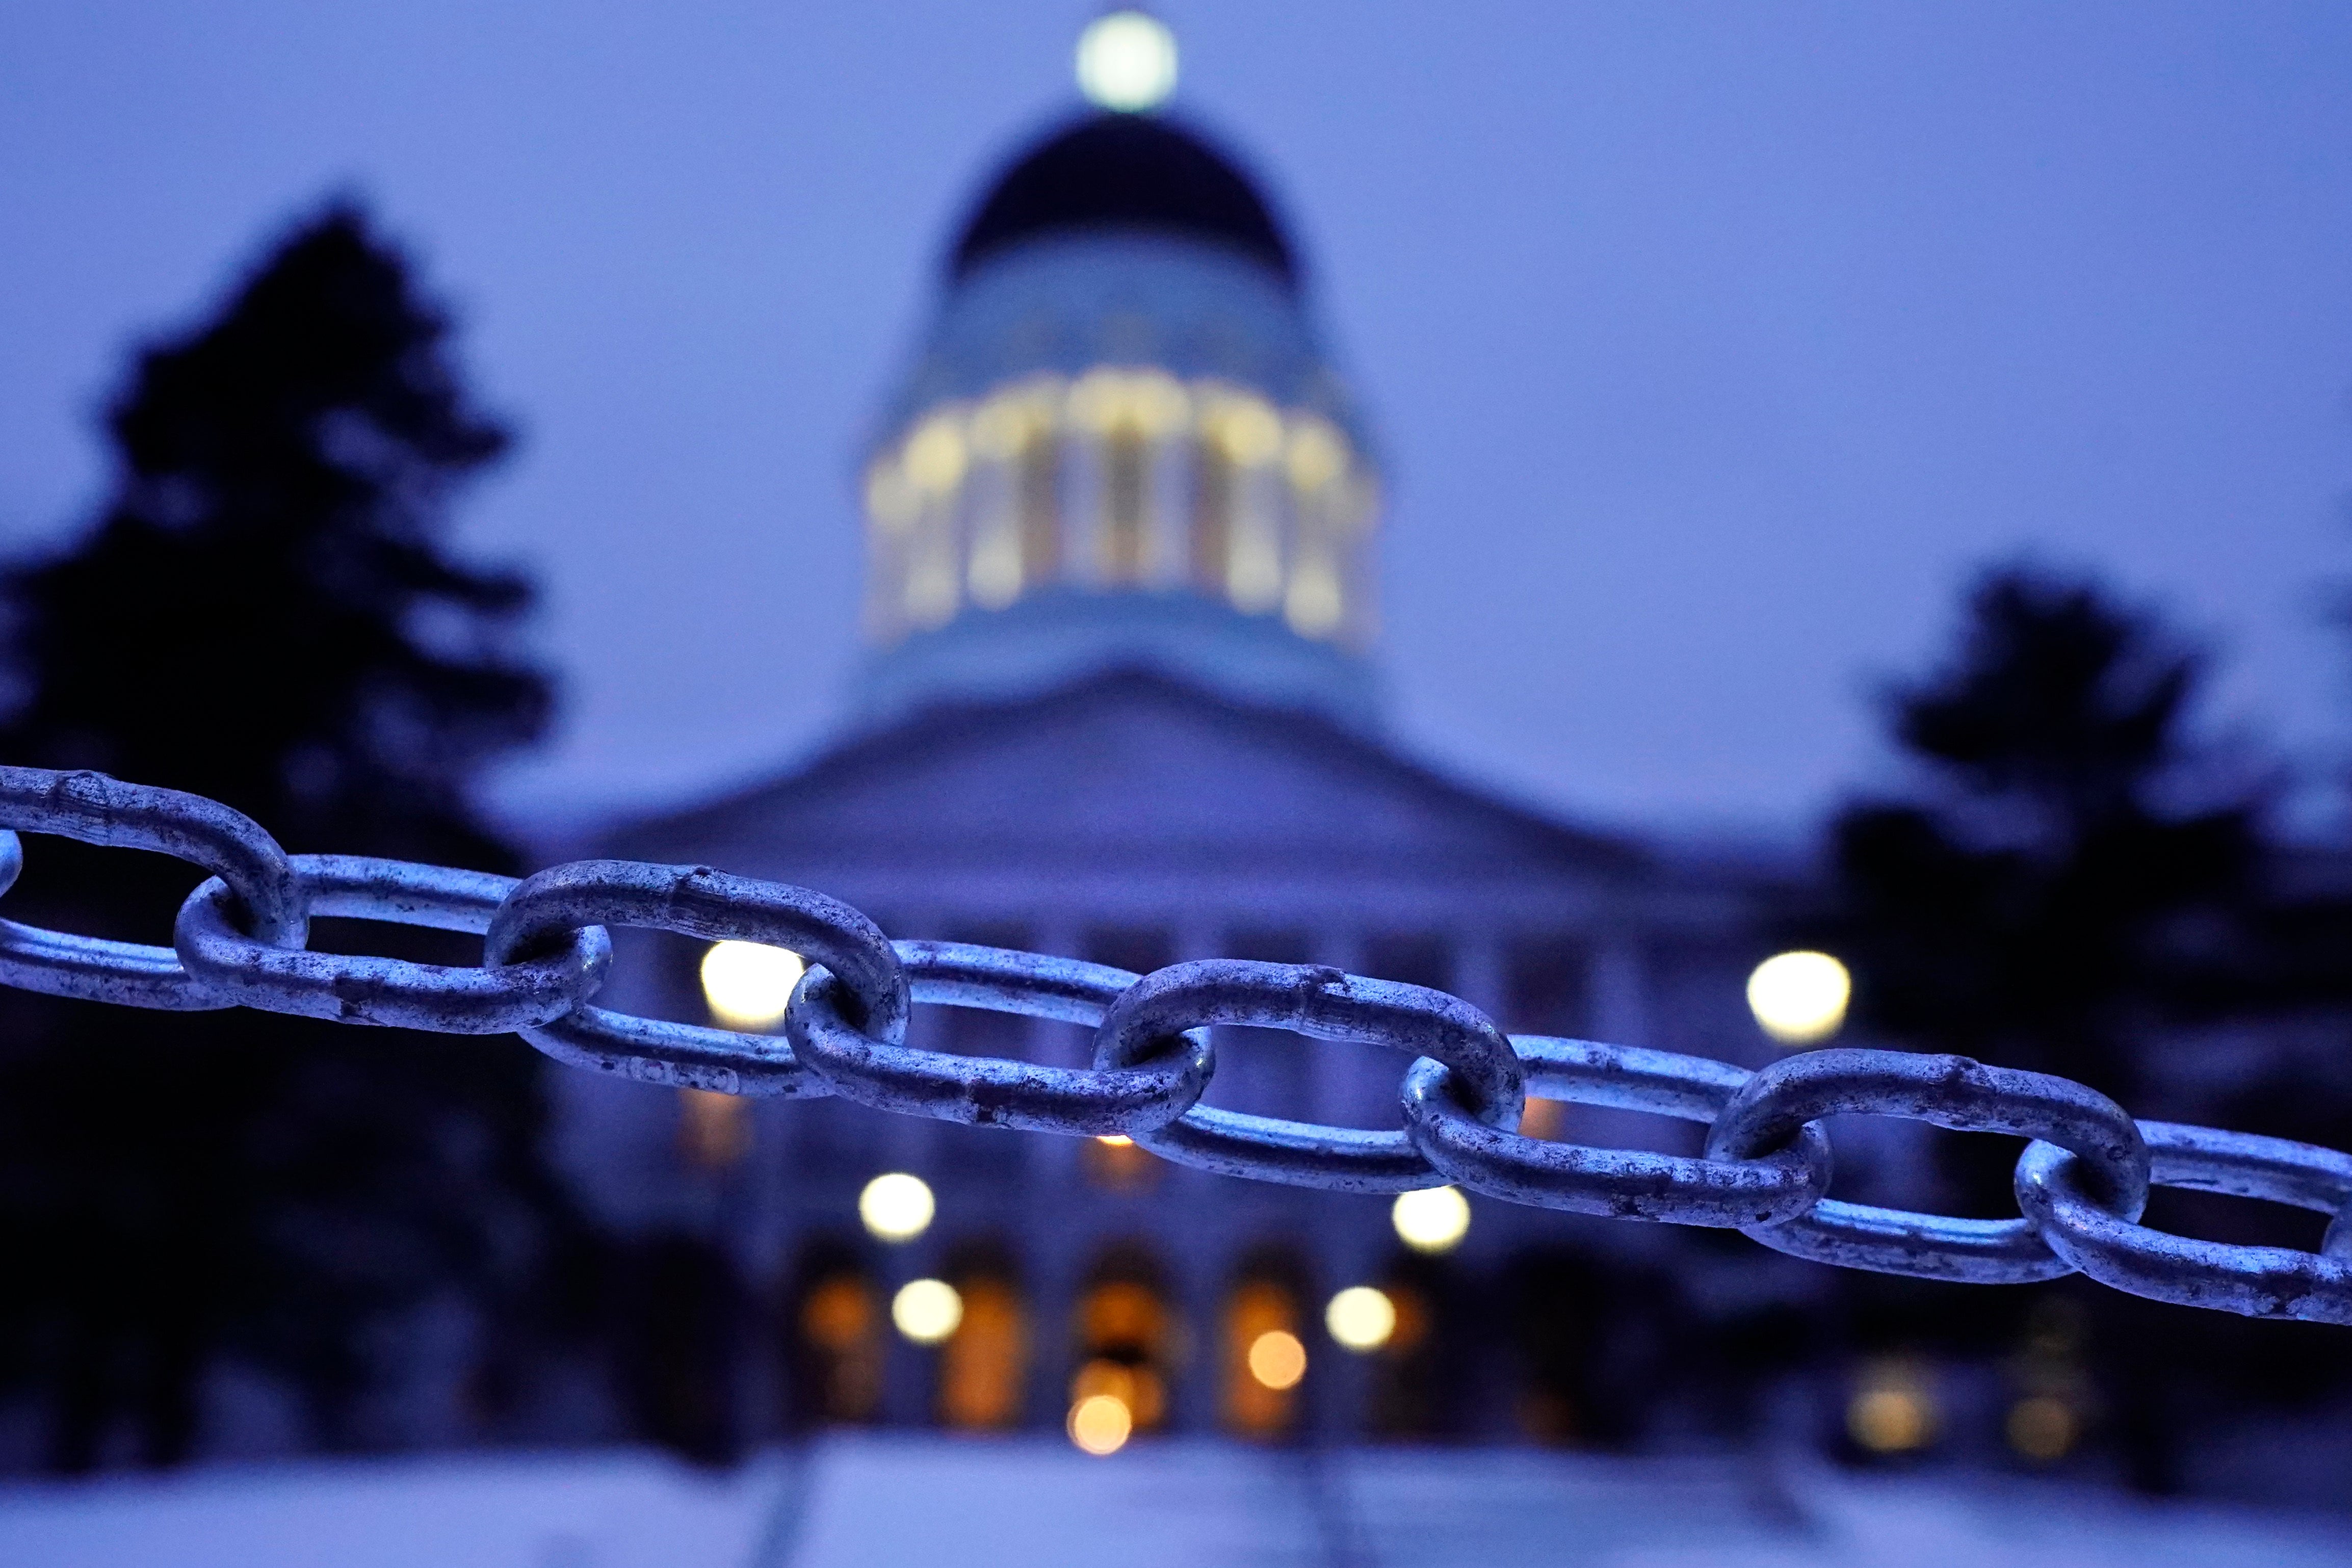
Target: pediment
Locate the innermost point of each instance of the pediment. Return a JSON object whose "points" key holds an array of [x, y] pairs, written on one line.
{"points": [[1129, 764]]}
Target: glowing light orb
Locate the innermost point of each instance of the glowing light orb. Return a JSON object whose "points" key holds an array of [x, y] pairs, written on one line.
{"points": [[1276, 1359], [897, 1206], [749, 986], [1893, 1409], [1433, 1219], [1800, 997], [1888, 1420], [1100, 1423], [1127, 61], [1360, 1318], [927, 1310]]}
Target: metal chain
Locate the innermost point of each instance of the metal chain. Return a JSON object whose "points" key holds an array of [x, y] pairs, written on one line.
{"points": [[241, 941]]}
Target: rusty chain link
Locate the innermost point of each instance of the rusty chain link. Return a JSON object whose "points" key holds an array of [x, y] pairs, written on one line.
{"points": [[241, 939]]}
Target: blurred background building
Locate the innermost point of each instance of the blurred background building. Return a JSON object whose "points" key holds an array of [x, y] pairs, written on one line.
{"points": [[1123, 702], [1122, 699]]}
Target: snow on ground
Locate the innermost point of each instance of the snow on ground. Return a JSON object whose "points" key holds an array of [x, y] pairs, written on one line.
{"points": [[889, 1500]]}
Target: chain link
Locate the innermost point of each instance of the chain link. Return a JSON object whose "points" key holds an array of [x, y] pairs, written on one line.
{"points": [[1323, 1003], [241, 939], [490, 1000], [96, 809], [2259, 1281], [543, 911], [1621, 1184], [1155, 1088], [1772, 1106]]}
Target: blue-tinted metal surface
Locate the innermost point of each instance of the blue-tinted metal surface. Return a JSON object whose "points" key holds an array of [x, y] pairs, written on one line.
{"points": [[2081, 1184]]}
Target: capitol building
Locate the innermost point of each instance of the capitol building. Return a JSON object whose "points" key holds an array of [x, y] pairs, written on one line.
{"points": [[1123, 701]]}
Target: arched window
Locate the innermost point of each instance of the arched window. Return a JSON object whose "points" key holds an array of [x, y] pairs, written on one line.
{"points": [[836, 1326], [1415, 1374], [1264, 1356], [1126, 1339], [984, 1363]]}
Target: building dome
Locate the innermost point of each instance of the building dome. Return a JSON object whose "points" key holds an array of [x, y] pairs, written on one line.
{"points": [[1124, 174], [1122, 445]]}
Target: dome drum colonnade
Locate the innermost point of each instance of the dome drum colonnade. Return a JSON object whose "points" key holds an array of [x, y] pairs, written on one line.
{"points": [[1122, 478], [1122, 394]]}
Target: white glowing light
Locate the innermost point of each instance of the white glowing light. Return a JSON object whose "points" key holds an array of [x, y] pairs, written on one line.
{"points": [[1100, 1423], [1800, 997], [749, 985], [1433, 1219], [897, 1207], [1127, 61], [1276, 1359], [1360, 1318], [927, 1310]]}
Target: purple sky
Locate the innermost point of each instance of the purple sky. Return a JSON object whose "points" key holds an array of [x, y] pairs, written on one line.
{"points": [[1711, 346]]}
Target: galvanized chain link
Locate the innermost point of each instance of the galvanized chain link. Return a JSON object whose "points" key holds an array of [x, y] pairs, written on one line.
{"points": [[241, 939]]}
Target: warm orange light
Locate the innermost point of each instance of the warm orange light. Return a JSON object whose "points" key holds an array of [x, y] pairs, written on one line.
{"points": [[1099, 1423], [1893, 1410], [1137, 1388], [985, 1365], [2043, 1426], [1116, 1140], [838, 1313], [714, 1130], [1278, 1360]]}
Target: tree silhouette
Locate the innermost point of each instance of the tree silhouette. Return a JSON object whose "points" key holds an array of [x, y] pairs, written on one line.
{"points": [[2074, 869], [265, 614], [2073, 875]]}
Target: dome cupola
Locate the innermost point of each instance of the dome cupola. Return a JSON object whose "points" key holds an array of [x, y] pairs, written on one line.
{"points": [[1124, 174], [1121, 444]]}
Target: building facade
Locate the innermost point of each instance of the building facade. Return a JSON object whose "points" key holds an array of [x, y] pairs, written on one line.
{"points": [[1122, 703]]}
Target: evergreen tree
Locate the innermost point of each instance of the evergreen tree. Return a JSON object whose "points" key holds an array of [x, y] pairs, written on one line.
{"points": [[2072, 874], [2072, 867], [265, 614]]}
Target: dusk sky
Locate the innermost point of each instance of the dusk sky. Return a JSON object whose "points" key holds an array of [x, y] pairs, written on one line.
{"points": [[1710, 348]]}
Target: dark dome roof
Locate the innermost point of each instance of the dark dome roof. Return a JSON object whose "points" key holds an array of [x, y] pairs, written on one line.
{"points": [[1123, 171]]}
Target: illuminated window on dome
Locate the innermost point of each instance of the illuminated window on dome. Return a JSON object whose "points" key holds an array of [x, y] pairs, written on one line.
{"points": [[1215, 486], [891, 508], [1128, 415], [1014, 512], [1127, 502], [1123, 478], [1237, 549], [936, 460], [1315, 461]]}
